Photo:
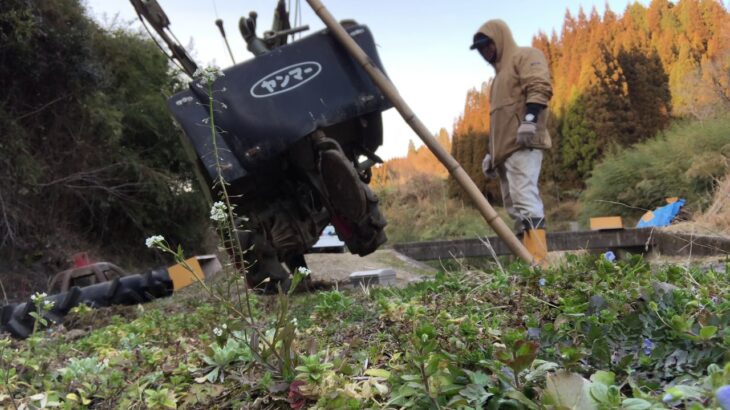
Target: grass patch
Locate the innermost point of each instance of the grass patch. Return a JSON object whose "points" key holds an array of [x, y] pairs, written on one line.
{"points": [[422, 210], [630, 333]]}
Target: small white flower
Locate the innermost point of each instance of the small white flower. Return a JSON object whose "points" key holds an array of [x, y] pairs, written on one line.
{"points": [[38, 296], [224, 326], [154, 241], [217, 332], [218, 212], [48, 304], [304, 271]]}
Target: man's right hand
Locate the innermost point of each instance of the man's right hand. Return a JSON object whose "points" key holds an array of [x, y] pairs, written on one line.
{"points": [[487, 169]]}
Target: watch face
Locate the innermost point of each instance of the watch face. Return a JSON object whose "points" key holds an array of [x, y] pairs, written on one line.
{"points": [[530, 117]]}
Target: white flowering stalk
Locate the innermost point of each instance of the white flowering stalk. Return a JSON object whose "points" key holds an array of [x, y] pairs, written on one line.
{"points": [[155, 241], [218, 212], [207, 75], [42, 306]]}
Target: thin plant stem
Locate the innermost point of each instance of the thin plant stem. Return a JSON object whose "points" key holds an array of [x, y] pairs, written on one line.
{"points": [[224, 191], [237, 248]]}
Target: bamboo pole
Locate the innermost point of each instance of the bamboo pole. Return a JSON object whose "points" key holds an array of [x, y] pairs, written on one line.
{"points": [[453, 166]]}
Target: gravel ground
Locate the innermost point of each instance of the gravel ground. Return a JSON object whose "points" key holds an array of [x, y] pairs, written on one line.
{"points": [[336, 267]]}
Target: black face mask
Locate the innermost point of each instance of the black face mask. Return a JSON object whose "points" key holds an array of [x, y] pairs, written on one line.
{"points": [[489, 53], [486, 47]]}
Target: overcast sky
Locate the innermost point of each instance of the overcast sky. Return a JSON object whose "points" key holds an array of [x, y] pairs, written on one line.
{"points": [[424, 45]]}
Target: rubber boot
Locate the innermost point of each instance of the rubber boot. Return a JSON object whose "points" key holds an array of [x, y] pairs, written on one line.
{"points": [[536, 243]]}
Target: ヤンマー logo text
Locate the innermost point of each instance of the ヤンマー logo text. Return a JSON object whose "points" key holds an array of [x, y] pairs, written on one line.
{"points": [[285, 79]]}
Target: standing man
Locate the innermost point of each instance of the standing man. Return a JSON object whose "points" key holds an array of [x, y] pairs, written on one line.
{"points": [[518, 135]]}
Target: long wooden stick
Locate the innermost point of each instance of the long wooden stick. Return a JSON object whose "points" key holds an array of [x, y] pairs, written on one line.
{"points": [[453, 166]]}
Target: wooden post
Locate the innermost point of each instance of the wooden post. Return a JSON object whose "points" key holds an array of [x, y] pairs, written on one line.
{"points": [[454, 168]]}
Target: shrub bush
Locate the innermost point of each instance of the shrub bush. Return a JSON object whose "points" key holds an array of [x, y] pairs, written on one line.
{"points": [[688, 161], [89, 158]]}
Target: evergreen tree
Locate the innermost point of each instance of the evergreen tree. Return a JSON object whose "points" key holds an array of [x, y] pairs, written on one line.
{"points": [[411, 149], [579, 143], [649, 96]]}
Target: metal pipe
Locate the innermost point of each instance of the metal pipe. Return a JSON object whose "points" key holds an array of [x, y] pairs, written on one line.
{"points": [[219, 23], [453, 166]]}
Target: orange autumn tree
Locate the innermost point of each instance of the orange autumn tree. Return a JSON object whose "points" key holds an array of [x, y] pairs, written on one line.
{"points": [[418, 161]]}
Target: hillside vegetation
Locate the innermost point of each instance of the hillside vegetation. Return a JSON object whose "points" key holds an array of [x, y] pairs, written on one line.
{"points": [[689, 161], [89, 158]]}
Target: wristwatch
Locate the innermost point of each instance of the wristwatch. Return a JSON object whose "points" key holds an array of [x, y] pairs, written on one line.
{"points": [[530, 117]]}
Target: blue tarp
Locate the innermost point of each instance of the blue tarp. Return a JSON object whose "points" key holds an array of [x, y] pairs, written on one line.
{"points": [[661, 216]]}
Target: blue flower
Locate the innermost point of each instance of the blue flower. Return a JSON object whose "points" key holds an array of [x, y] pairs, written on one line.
{"points": [[723, 396], [648, 346], [541, 282], [668, 398], [609, 256]]}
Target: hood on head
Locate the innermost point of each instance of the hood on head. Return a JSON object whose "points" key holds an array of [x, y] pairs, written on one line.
{"points": [[500, 33]]}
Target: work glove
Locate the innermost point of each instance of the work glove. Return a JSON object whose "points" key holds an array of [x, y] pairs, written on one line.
{"points": [[526, 134], [487, 169]]}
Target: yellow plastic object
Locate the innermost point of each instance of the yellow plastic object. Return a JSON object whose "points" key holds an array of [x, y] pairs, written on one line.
{"points": [[648, 216], [536, 243], [201, 266], [606, 222]]}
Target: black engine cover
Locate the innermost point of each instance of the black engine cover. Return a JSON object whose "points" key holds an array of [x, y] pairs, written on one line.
{"points": [[275, 99]]}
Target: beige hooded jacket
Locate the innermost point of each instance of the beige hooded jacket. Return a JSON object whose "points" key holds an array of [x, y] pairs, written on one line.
{"points": [[522, 76]]}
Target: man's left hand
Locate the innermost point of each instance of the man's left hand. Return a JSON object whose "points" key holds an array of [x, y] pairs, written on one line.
{"points": [[526, 133]]}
